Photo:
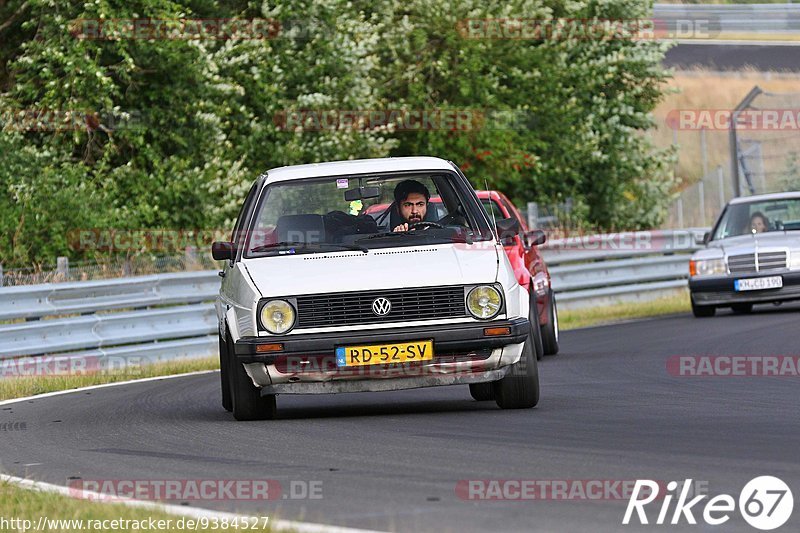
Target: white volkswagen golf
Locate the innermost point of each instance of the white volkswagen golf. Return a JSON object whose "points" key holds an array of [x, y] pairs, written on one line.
{"points": [[320, 294]]}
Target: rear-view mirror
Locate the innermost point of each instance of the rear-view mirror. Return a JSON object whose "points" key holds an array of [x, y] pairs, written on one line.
{"points": [[362, 193]]}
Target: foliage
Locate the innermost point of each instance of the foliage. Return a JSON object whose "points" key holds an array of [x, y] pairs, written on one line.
{"points": [[171, 132]]}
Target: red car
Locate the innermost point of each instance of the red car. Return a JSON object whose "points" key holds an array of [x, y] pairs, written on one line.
{"points": [[524, 257], [529, 266]]}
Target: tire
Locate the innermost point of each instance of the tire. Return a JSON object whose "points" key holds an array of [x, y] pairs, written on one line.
{"points": [[703, 311], [538, 348], [247, 402], [482, 392], [550, 330], [227, 403], [519, 389], [742, 309]]}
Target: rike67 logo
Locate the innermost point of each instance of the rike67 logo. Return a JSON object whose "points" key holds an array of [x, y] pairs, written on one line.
{"points": [[765, 503]]}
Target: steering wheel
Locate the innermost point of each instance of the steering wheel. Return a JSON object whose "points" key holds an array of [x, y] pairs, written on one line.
{"points": [[424, 224]]}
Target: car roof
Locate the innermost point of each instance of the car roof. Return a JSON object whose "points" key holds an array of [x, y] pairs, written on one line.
{"points": [[765, 197], [357, 166]]}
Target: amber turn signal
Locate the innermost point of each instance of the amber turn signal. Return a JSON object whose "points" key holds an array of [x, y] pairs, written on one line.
{"points": [[494, 332], [261, 348]]}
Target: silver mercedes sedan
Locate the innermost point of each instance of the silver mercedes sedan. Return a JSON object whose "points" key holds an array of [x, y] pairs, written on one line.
{"points": [[752, 255]]}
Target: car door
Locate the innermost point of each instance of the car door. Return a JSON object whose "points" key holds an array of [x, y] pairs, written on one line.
{"points": [[231, 277]]}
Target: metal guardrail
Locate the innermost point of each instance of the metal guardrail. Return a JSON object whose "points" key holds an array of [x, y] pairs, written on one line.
{"points": [[731, 18], [49, 299], [598, 270], [165, 316], [143, 319]]}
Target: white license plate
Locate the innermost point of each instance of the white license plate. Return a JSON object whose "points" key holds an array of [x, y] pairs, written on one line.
{"points": [[757, 284]]}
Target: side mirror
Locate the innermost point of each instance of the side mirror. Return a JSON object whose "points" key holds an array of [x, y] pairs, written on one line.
{"points": [[536, 237], [223, 251], [704, 239], [507, 228]]}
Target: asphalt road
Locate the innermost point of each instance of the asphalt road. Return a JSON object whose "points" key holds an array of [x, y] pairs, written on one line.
{"points": [[734, 57], [391, 461]]}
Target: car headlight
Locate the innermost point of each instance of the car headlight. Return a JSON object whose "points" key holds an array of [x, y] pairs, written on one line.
{"points": [[484, 302], [707, 267], [278, 316], [794, 259]]}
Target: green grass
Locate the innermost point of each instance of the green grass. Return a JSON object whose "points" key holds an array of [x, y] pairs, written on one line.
{"points": [[18, 502], [595, 316], [18, 387]]}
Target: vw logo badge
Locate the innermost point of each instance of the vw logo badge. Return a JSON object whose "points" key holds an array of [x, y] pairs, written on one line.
{"points": [[381, 306]]}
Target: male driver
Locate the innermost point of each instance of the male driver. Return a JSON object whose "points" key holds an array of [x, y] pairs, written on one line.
{"points": [[411, 198]]}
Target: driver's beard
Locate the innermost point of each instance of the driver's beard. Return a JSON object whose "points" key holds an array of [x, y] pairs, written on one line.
{"points": [[415, 218]]}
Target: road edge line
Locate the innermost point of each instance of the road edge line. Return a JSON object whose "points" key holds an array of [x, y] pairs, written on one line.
{"points": [[178, 510], [103, 385]]}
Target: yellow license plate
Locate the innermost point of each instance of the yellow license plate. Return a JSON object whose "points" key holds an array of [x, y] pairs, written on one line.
{"points": [[384, 354]]}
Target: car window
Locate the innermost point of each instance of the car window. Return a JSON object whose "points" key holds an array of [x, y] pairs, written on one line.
{"points": [[492, 209], [759, 217], [237, 236], [317, 213]]}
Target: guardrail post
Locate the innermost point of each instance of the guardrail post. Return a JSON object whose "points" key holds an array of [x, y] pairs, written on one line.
{"points": [[190, 254], [533, 215], [1, 274], [701, 191], [62, 267]]}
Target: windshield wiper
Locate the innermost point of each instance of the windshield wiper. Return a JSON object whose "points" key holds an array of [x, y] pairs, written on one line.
{"points": [[309, 246], [393, 234]]}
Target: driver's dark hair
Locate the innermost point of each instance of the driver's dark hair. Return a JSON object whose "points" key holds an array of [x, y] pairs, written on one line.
{"points": [[406, 187], [760, 215]]}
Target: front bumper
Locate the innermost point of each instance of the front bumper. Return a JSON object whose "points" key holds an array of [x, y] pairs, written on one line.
{"points": [[307, 364], [719, 290]]}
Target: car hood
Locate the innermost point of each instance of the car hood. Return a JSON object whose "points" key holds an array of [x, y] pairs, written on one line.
{"points": [[384, 268], [746, 244]]}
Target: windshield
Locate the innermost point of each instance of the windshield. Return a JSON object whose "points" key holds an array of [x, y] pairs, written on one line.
{"points": [[759, 217], [361, 212]]}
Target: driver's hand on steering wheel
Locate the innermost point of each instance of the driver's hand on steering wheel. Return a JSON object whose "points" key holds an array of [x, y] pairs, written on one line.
{"points": [[401, 227]]}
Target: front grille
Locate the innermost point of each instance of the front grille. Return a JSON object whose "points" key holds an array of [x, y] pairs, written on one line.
{"points": [[349, 308], [745, 263]]}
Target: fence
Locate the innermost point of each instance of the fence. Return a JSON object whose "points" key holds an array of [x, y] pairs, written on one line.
{"points": [[765, 142], [65, 270], [166, 316], [600, 270], [151, 318], [734, 19]]}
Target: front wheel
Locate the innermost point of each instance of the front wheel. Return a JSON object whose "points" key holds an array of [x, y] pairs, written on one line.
{"points": [[550, 330], [519, 389], [246, 399]]}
